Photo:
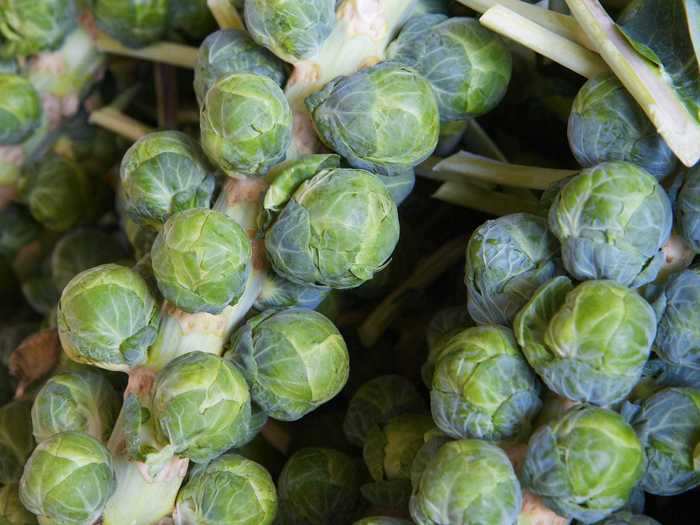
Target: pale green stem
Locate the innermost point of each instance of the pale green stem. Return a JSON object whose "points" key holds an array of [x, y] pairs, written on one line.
{"points": [[225, 14], [165, 52], [117, 122], [478, 198]]}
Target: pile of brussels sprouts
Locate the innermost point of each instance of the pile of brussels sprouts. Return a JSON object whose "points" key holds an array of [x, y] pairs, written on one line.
{"points": [[227, 298]]}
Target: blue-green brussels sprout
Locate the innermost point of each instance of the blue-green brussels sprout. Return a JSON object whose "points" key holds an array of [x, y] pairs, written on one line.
{"points": [[68, 479], [338, 229], [246, 124], [59, 193], [678, 311], [468, 66], [467, 482], [191, 20], [278, 292], [81, 250], [80, 401], [507, 259], [231, 490], [201, 406], [230, 51], [378, 401], [400, 122], [201, 260], [483, 387], [688, 208], [12, 512], [135, 23], [18, 229], [163, 173], [294, 361], [585, 464], [668, 425], [318, 486], [107, 317], [30, 26], [627, 518], [16, 441], [588, 343], [291, 29], [606, 124], [20, 108], [612, 221], [663, 374]]}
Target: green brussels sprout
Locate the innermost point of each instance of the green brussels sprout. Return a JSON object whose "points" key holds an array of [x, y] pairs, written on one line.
{"points": [[201, 406], [468, 66], [483, 387], [230, 51], [688, 208], [678, 311], [378, 401], [291, 29], [191, 20], [30, 26], [467, 482], [17, 229], [278, 292], [201, 260], [318, 486], [400, 122], [389, 450], [81, 250], [107, 317], [294, 360], [68, 479], [20, 108], [12, 512], [507, 259], [668, 425], [588, 343], [606, 124], [163, 173], [612, 221], [135, 23], [585, 464], [231, 490], [627, 518], [80, 401], [16, 441], [246, 124], [59, 193], [381, 520], [338, 229]]}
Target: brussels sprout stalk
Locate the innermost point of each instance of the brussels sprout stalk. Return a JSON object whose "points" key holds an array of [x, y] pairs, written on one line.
{"points": [[114, 120], [165, 52], [225, 14], [476, 197]]}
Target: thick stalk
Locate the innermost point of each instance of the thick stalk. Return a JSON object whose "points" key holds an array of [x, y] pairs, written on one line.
{"points": [[225, 14], [165, 52], [476, 197], [117, 122]]}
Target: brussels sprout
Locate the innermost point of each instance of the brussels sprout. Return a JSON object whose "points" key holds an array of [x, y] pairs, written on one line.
{"points": [[588, 343], [467, 482], [278, 292], [627, 518], [135, 23], [668, 425], [612, 221], [16, 442], [191, 20], [81, 250], [59, 193], [80, 401], [378, 401], [606, 124], [246, 124], [678, 311], [688, 208], [31, 26], [163, 173], [468, 66], [318, 486], [381, 520], [291, 29], [339, 228], [294, 360], [507, 260], [231, 490], [107, 317], [20, 108], [201, 408], [18, 230], [230, 51], [68, 479], [201, 260], [483, 387], [12, 512], [584, 465], [400, 122]]}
